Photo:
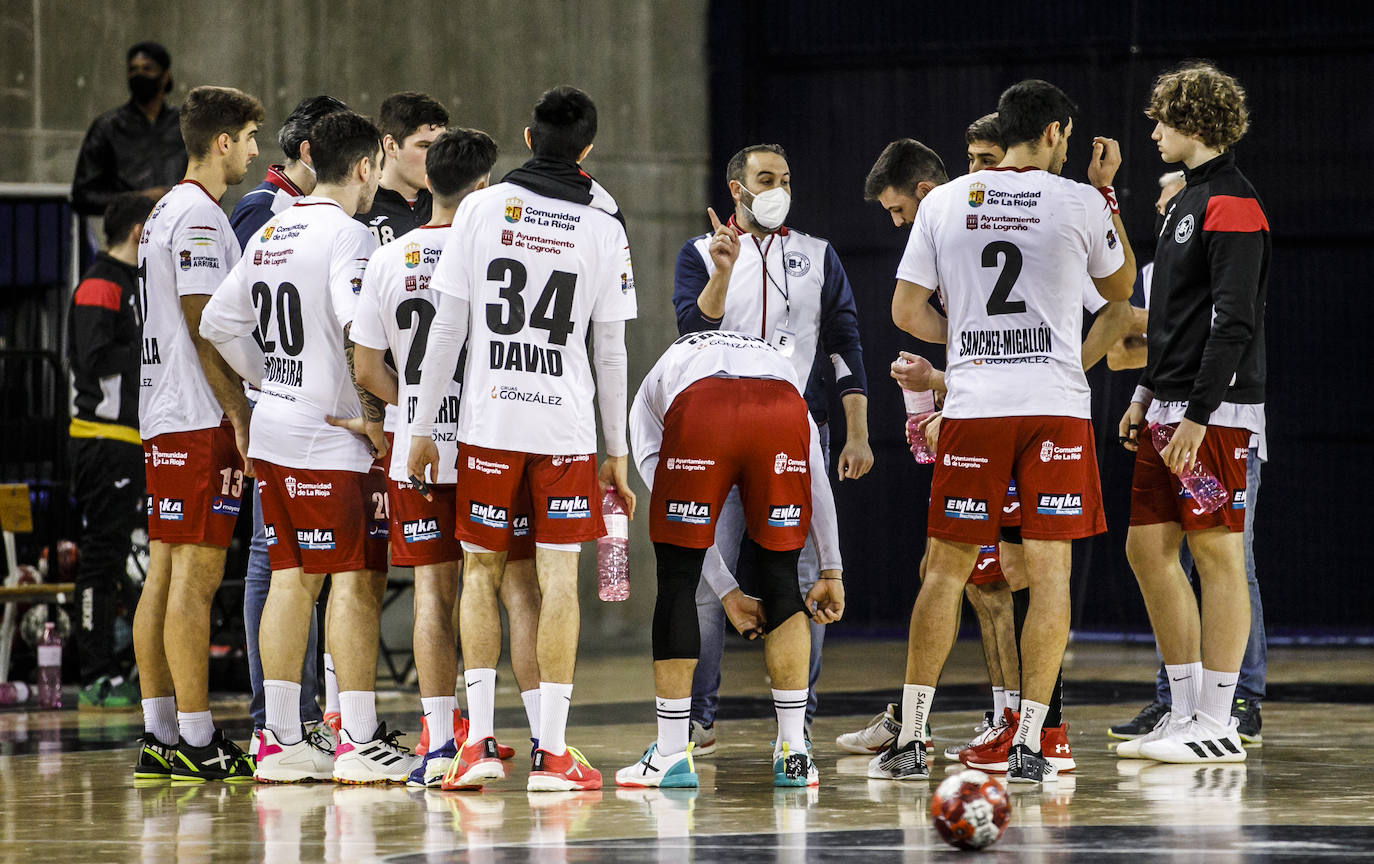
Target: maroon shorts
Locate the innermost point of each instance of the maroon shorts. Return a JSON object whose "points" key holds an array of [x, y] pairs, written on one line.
{"points": [[422, 532], [1052, 461], [1157, 496], [987, 570], [195, 486], [564, 498], [322, 521], [723, 432]]}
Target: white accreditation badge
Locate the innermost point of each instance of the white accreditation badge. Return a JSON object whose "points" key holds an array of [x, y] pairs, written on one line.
{"points": [[785, 341]]}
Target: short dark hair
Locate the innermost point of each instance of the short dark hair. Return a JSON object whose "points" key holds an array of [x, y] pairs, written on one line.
{"points": [[126, 210], [457, 159], [1026, 108], [209, 112], [155, 51], [985, 128], [738, 165], [295, 130], [338, 141], [901, 166], [1199, 99], [402, 113], [563, 124]]}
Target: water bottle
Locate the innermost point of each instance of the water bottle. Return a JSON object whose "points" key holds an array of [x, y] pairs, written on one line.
{"points": [[613, 550], [1201, 484], [920, 404], [49, 692], [13, 692]]}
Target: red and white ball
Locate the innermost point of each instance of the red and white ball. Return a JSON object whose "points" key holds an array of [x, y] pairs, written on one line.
{"points": [[970, 810]]}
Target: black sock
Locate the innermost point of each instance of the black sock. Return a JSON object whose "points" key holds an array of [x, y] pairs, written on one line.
{"points": [[1055, 715], [1020, 602]]}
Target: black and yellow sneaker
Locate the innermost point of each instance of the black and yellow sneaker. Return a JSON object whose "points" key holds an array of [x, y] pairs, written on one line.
{"points": [[154, 758], [1248, 713], [221, 759]]}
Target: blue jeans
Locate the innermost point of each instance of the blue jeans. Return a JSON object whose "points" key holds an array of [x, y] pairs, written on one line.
{"points": [[711, 615], [1253, 666], [256, 582]]}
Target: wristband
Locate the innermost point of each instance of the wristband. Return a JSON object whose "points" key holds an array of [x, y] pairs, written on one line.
{"points": [[1143, 395], [1110, 194], [836, 578]]}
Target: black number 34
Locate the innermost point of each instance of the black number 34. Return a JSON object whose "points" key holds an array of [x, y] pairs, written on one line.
{"points": [[552, 311]]}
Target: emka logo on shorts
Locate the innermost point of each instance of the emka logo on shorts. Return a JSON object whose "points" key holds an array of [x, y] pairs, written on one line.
{"points": [[1051, 452], [520, 525], [171, 509], [315, 538], [570, 507], [784, 515], [488, 514], [1065, 504], [966, 508], [297, 489], [420, 530], [269, 533], [784, 464], [689, 512], [227, 506], [1237, 499]]}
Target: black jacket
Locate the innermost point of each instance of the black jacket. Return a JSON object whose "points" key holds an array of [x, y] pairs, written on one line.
{"points": [[123, 153], [1206, 326], [391, 216], [104, 344]]}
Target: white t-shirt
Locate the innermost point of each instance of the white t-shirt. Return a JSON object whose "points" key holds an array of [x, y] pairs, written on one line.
{"points": [[1008, 250], [297, 283], [187, 247], [535, 272], [394, 312]]}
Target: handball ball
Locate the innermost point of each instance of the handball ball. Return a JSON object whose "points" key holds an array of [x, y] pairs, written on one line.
{"points": [[970, 810]]}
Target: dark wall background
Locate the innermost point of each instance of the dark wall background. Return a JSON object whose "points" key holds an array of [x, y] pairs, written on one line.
{"points": [[834, 82]]}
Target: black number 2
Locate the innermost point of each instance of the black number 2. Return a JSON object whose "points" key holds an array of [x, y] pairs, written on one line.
{"points": [[418, 313], [552, 311], [998, 304]]}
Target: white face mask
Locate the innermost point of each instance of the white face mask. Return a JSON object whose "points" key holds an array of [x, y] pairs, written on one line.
{"points": [[770, 208]]}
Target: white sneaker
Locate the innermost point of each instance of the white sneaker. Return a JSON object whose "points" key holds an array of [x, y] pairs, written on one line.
{"points": [[982, 733], [1201, 740], [703, 740], [875, 736], [1167, 725], [670, 771], [379, 760], [303, 761]]}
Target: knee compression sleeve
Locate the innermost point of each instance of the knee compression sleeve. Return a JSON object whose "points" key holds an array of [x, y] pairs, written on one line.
{"points": [[676, 634], [777, 581]]}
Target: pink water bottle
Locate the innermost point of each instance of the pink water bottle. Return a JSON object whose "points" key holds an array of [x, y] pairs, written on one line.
{"points": [[613, 550], [49, 692], [920, 404], [1200, 483]]}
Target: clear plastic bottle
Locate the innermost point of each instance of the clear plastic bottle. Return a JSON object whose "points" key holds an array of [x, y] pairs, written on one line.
{"points": [[1206, 491], [920, 404], [13, 692], [49, 691], [613, 550]]}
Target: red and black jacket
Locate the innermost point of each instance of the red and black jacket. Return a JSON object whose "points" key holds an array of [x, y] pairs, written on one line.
{"points": [[104, 345]]}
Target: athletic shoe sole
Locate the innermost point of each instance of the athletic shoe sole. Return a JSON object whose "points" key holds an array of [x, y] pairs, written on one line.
{"points": [[544, 782]]}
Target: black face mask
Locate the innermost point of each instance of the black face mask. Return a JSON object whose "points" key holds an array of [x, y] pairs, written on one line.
{"points": [[145, 89]]}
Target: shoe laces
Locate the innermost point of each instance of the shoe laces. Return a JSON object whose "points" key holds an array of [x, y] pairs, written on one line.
{"points": [[577, 755], [392, 739]]}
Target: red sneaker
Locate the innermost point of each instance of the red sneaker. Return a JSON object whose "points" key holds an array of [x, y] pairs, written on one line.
{"points": [[460, 734], [991, 755], [334, 720], [567, 772], [422, 747], [477, 762], [1054, 743]]}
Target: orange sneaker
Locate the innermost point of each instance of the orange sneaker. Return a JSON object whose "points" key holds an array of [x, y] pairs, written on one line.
{"points": [[569, 771], [477, 762]]}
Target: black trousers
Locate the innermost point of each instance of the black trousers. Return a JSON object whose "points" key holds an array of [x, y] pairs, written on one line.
{"points": [[108, 485]]}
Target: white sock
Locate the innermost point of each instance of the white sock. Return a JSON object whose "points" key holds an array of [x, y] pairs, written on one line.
{"points": [[916, 700], [531, 699], [481, 687], [999, 704], [439, 719], [359, 710], [283, 702], [674, 718], [1185, 686], [331, 686], [554, 701], [790, 706], [1218, 694], [1014, 700], [196, 727], [1032, 720], [160, 718]]}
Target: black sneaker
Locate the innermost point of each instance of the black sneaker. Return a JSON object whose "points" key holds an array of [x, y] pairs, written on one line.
{"points": [[1143, 724], [1026, 766], [900, 763], [221, 759], [1248, 713], [154, 758]]}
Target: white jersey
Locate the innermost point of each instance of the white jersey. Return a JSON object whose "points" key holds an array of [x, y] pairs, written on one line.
{"points": [[394, 312], [187, 247], [1008, 251], [298, 284], [535, 271]]}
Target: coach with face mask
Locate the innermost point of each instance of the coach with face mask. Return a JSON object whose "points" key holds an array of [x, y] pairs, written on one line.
{"points": [[755, 275], [136, 147]]}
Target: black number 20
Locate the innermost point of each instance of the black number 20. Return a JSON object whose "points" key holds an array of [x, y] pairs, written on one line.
{"points": [[290, 328], [998, 304]]}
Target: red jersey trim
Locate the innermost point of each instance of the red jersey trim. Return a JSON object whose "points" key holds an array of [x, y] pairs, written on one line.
{"points": [[97, 292], [1021, 170], [326, 202], [445, 225], [277, 177], [201, 188], [1229, 213]]}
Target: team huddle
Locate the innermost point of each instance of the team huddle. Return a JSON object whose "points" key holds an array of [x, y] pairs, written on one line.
{"points": [[386, 355]]}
